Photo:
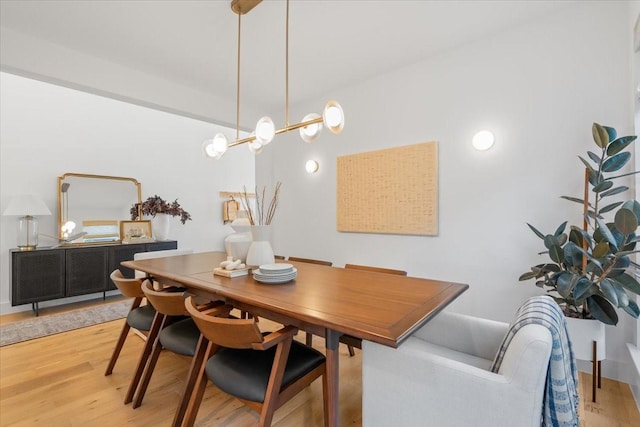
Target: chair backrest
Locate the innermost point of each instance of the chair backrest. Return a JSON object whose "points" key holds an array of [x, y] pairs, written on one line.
{"points": [[311, 261], [169, 301], [376, 269], [226, 332], [158, 254], [129, 287]]}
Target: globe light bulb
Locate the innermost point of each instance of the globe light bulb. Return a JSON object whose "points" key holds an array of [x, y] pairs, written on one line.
{"points": [[310, 132], [333, 117], [220, 144], [207, 148], [265, 130], [255, 146]]}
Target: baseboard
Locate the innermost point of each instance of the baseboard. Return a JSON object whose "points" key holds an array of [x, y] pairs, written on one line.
{"points": [[7, 308], [612, 369]]}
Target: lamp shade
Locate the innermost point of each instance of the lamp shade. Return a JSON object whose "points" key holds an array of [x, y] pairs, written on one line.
{"points": [[26, 205]]}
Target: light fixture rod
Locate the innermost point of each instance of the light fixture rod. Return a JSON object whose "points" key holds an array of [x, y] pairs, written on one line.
{"points": [[286, 73], [238, 80], [279, 131]]}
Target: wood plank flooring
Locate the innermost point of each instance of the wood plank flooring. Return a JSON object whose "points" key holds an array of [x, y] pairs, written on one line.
{"points": [[59, 381]]}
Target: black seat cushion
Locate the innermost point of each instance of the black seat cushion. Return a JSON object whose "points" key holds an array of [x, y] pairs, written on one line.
{"points": [[181, 337], [244, 373], [141, 318]]}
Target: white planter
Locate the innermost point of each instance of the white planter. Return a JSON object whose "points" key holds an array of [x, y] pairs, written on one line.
{"points": [[582, 333], [160, 226], [237, 245], [260, 251]]}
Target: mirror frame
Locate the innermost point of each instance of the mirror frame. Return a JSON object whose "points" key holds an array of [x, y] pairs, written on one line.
{"points": [[61, 179]]}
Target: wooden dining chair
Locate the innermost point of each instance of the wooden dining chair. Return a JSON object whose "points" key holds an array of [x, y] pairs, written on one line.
{"points": [[172, 329], [139, 317], [309, 337], [262, 370], [350, 341], [311, 261]]}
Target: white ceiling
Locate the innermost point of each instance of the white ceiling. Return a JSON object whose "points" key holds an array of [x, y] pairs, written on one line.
{"points": [[333, 43]]}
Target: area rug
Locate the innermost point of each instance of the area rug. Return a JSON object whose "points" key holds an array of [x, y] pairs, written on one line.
{"points": [[42, 326]]}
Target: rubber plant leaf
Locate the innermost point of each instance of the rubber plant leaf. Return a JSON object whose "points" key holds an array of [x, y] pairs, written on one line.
{"points": [[600, 135], [603, 186], [623, 298], [628, 282], [606, 233], [564, 283], [632, 309], [587, 165], [593, 156], [574, 199], [602, 310], [581, 288], [612, 133], [560, 229], [620, 144], [633, 206], [616, 162], [609, 291], [556, 254], [610, 207], [535, 230], [626, 221], [614, 191], [528, 275]]}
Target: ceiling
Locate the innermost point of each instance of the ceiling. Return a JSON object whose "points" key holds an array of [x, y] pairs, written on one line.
{"points": [[332, 44]]}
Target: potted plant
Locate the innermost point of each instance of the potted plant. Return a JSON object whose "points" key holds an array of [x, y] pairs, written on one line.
{"points": [[591, 271], [161, 211]]}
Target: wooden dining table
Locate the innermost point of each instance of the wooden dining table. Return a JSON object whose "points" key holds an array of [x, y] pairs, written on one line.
{"points": [[325, 301]]}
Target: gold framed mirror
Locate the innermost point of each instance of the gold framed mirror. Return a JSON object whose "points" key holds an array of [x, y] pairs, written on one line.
{"points": [[90, 207]]}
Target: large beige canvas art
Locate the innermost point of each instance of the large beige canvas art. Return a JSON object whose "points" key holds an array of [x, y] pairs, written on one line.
{"points": [[390, 191]]}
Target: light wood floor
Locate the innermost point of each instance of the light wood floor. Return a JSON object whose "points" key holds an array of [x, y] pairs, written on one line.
{"points": [[59, 381]]}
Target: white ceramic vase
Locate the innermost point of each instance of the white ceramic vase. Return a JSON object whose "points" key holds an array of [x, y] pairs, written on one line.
{"points": [[160, 226], [260, 251], [237, 245], [582, 333]]}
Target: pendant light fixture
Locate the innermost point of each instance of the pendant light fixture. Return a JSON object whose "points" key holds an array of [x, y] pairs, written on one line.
{"points": [[310, 127]]}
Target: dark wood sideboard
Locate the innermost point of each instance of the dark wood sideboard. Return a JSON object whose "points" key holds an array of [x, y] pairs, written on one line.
{"points": [[66, 271]]}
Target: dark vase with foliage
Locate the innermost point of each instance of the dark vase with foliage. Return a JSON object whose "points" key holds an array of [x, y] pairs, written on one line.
{"points": [[156, 205], [591, 271]]}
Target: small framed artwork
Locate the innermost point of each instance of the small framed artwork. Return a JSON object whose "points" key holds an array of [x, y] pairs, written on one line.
{"points": [[135, 231]]}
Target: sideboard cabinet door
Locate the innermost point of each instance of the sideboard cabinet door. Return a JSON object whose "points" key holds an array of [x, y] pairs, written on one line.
{"points": [[120, 253], [37, 276], [86, 270]]}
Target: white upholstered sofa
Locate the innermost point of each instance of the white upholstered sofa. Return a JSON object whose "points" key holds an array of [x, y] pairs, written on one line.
{"points": [[440, 376]]}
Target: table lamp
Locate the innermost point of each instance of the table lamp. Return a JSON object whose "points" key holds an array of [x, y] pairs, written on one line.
{"points": [[26, 206]]}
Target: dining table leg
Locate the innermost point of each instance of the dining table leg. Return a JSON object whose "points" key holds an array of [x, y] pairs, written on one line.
{"points": [[332, 340]]}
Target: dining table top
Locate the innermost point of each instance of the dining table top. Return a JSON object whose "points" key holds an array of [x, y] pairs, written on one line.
{"points": [[378, 307]]}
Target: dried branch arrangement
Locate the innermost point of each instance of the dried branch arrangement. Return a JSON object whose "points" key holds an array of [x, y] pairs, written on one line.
{"points": [[261, 216]]}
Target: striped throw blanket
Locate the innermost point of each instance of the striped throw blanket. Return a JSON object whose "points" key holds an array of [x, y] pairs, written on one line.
{"points": [[560, 403]]}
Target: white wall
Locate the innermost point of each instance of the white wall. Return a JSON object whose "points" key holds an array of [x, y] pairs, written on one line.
{"points": [[48, 130], [539, 88]]}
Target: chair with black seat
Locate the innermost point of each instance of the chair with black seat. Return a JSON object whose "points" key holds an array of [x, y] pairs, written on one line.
{"points": [[172, 329], [140, 316], [263, 370], [309, 338], [353, 342]]}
